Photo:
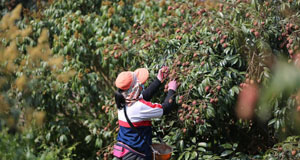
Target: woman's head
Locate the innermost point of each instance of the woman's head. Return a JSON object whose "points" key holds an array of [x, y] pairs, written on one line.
{"points": [[125, 80], [130, 86]]}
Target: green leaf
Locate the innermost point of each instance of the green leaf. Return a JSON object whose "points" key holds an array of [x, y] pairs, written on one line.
{"points": [[66, 50], [266, 74], [272, 121], [234, 90], [88, 138], [226, 51], [194, 139], [227, 146], [99, 142], [234, 61], [194, 155], [244, 29], [202, 144], [181, 156], [277, 124], [226, 153], [213, 72], [181, 145], [206, 81], [48, 136], [210, 112], [187, 155], [235, 145], [201, 149], [221, 14], [62, 138]]}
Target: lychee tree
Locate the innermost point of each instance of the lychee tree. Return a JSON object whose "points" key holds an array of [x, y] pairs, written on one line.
{"points": [[211, 49]]}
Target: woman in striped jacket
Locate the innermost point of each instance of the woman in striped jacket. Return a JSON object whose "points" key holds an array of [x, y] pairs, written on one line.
{"points": [[134, 143]]}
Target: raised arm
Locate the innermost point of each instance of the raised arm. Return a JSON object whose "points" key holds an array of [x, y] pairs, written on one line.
{"points": [[151, 90], [153, 87], [156, 110], [169, 102]]}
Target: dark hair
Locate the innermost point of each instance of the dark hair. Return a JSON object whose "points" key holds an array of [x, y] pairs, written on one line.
{"points": [[120, 100]]}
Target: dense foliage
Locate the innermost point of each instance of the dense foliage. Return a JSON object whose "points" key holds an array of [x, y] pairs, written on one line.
{"points": [[59, 60]]}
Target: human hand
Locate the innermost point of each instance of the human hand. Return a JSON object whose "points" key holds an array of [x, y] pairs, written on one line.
{"points": [[163, 73], [172, 85]]}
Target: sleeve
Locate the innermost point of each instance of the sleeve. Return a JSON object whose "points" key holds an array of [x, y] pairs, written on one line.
{"points": [[151, 90], [167, 106], [150, 110], [156, 110]]}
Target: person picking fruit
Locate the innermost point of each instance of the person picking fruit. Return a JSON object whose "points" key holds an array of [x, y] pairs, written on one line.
{"points": [[135, 112]]}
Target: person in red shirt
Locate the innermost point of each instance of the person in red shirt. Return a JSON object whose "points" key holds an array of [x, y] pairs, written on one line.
{"points": [[135, 143]]}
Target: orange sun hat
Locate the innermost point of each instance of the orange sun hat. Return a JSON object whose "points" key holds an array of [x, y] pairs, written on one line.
{"points": [[142, 74], [125, 79]]}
